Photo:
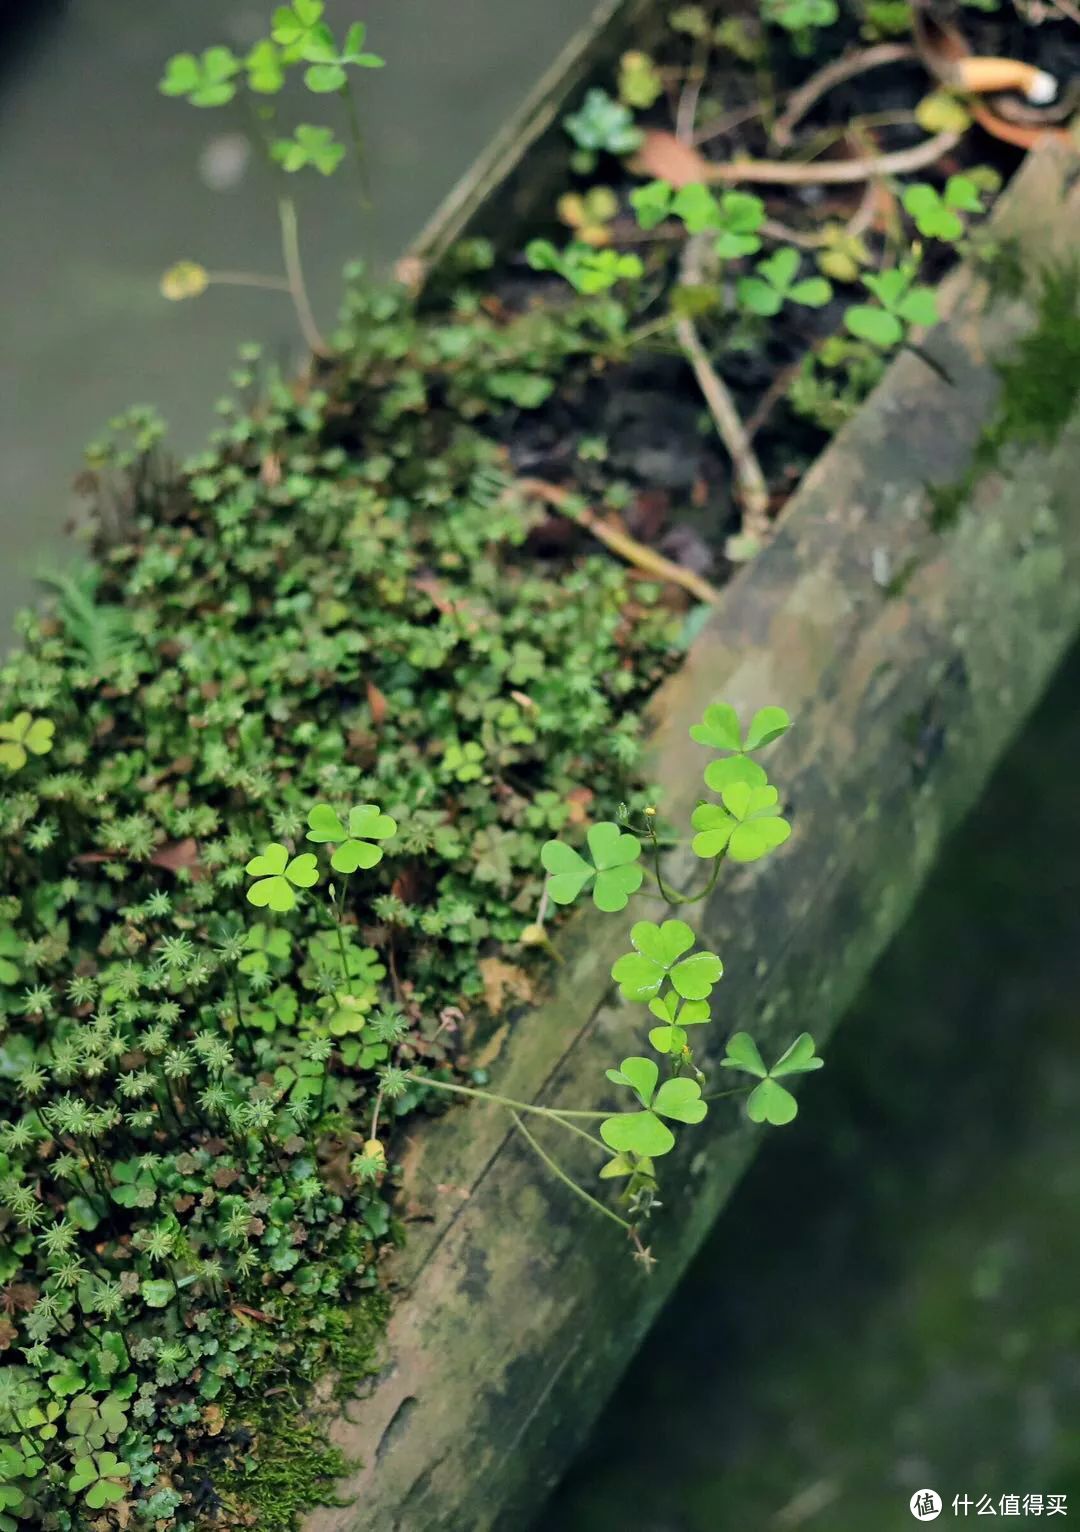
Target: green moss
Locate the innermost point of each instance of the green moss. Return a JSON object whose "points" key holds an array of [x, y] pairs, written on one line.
{"points": [[289, 1468], [1040, 384]]}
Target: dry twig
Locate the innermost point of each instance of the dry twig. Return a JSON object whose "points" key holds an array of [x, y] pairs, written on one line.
{"points": [[836, 172], [618, 539], [847, 68]]}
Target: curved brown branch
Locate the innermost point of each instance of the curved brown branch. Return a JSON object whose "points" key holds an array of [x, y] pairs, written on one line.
{"points": [[836, 172], [618, 540], [847, 68]]}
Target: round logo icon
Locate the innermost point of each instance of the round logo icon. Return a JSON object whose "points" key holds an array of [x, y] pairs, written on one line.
{"points": [[925, 1505]]}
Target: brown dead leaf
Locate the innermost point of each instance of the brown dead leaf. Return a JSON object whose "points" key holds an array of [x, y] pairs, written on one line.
{"points": [[406, 885], [502, 979], [376, 702], [242, 1311], [213, 1419], [8, 1334], [270, 470], [579, 799], [664, 157], [484, 1057], [178, 854]]}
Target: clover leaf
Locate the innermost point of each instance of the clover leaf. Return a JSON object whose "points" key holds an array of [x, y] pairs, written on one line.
{"points": [[205, 81], [312, 146], [367, 823], [277, 877], [614, 854], [775, 284], [352, 50], [936, 213], [735, 217], [294, 25], [23, 734], [676, 1015], [97, 1477], [719, 729], [265, 68], [301, 30], [346, 1014], [745, 824], [902, 304], [263, 943], [603, 123], [643, 1132], [587, 270], [652, 202], [640, 974], [770, 1102]]}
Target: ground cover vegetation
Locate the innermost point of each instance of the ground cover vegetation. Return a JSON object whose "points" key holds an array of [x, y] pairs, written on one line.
{"points": [[297, 769]]}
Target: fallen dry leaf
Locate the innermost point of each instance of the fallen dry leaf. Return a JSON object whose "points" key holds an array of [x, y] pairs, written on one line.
{"points": [[502, 979], [376, 702], [664, 157], [486, 1056], [179, 853]]}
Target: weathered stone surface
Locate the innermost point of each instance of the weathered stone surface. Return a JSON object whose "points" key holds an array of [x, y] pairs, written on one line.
{"points": [[520, 1307]]}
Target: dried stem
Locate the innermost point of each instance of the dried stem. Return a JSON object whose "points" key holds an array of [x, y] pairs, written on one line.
{"points": [[801, 100], [836, 172], [618, 540], [290, 247], [750, 485]]}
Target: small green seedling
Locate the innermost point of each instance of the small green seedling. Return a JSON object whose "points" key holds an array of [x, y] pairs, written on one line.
{"points": [[801, 18], [24, 736], [96, 1478], [903, 304], [209, 80], [659, 957], [614, 871], [367, 824], [776, 284], [309, 146], [936, 214], [735, 217], [587, 270], [643, 1133], [770, 1102], [601, 125], [278, 876], [746, 823]]}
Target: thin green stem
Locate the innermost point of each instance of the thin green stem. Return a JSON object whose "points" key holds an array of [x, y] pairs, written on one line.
{"points": [[357, 136], [557, 1170], [247, 279], [338, 923], [290, 249], [249, 1044], [721, 1095], [558, 1113], [671, 895]]}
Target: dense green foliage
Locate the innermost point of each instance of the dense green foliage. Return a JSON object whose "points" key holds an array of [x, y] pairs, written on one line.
{"points": [[335, 604]]}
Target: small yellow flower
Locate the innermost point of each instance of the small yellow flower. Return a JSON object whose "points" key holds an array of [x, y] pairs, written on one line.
{"points": [[187, 279]]}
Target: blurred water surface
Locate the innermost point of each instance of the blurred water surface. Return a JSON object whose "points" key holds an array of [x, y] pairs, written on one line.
{"points": [[104, 183]]}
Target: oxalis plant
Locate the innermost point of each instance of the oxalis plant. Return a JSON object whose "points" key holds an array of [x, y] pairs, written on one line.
{"points": [[661, 1093], [300, 43]]}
